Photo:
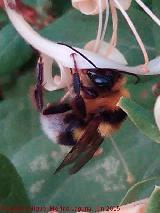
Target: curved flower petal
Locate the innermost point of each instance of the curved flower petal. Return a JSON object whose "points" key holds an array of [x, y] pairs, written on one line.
{"points": [[115, 55], [61, 53], [54, 82], [157, 112]]}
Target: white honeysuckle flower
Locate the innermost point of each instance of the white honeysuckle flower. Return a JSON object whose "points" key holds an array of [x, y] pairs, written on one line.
{"points": [[51, 51], [120, 6], [91, 7], [134, 31], [86, 6], [157, 112]]}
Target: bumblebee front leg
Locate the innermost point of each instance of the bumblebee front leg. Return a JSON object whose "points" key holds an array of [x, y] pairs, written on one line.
{"points": [[38, 91], [78, 103], [38, 95]]}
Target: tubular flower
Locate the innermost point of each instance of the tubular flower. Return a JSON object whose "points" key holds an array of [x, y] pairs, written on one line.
{"points": [[54, 52], [91, 7]]}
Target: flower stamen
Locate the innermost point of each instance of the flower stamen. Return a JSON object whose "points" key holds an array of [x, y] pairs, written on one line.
{"points": [[106, 21], [113, 41], [138, 38], [99, 32], [61, 53], [148, 11]]}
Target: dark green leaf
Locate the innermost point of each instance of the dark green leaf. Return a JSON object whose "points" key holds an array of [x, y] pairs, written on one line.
{"points": [[60, 6], [156, 28], [142, 118], [12, 191], [3, 18]]}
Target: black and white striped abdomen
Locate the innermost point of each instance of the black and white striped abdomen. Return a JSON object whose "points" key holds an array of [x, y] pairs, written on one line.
{"points": [[53, 125]]}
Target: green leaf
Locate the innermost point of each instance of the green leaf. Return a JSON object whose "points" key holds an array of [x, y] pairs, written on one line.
{"points": [[12, 191], [14, 51], [3, 19], [60, 6], [142, 118], [153, 205], [136, 191]]}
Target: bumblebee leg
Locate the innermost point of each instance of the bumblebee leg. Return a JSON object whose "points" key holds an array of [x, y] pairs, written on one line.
{"points": [[38, 96], [89, 92], [57, 108], [1, 94], [38, 91], [78, 103]]}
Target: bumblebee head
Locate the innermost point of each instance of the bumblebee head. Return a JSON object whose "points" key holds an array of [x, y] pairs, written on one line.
{"points": [[104, 79]]}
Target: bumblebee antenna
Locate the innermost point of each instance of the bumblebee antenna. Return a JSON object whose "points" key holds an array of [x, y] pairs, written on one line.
{"points": [[78, 53]]}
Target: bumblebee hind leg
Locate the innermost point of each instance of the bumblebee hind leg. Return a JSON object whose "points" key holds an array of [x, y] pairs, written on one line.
{"points": [[57, 108]]}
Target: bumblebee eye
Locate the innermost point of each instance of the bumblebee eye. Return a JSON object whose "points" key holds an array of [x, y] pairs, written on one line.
{"points": [[101, 80]]}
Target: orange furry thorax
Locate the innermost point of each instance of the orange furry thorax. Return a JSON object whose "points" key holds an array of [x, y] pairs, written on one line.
{"points": [[107, 100]]}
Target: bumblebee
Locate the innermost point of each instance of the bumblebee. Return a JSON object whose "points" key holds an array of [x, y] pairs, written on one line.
{"points": [[88, 114]]}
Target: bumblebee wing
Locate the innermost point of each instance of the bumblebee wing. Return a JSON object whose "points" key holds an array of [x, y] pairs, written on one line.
{"points": [[84, 149], [88, 153]]}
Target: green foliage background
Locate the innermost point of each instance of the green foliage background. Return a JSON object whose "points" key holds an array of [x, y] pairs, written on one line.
{"points": [[28, 159]]}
